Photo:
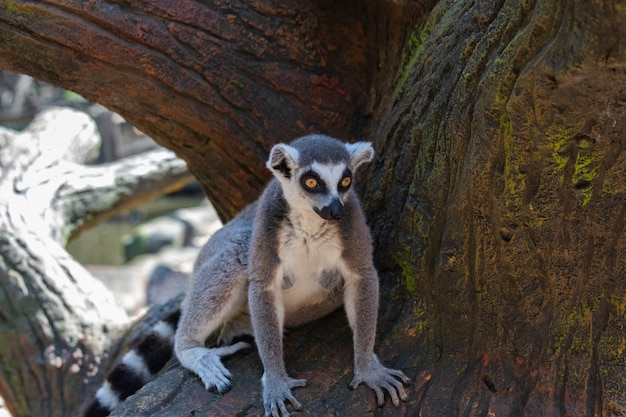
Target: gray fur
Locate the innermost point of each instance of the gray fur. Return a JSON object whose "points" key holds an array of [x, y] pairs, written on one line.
{"points": [[280, 264], [331, 280], [320, 148]]}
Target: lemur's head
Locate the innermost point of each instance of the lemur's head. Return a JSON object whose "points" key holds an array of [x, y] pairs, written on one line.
{"points": [[316, 172]]}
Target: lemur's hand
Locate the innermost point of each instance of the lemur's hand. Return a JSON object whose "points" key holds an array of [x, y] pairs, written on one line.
{"points": [[377, 377], [276, 392], [209, 367]]}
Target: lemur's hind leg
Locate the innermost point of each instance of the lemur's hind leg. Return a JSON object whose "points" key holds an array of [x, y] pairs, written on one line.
{"points": [[218, 295], [234, 329]]}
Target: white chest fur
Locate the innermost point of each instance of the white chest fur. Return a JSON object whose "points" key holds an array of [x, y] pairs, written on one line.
{"points": [[308, 255]]}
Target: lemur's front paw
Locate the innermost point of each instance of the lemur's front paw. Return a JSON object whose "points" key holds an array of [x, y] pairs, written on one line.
{"points": [[212, 371], [275, 394], [377, 377]]}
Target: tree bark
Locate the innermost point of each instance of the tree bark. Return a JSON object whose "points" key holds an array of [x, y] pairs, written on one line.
{"points": [[507, 183], [499, 133]]}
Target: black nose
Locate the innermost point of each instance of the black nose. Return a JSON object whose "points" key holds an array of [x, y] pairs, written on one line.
{"points": [[334, 211]]}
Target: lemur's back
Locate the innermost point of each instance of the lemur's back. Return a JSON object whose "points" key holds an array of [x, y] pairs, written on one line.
{"points": [[236, 234]]}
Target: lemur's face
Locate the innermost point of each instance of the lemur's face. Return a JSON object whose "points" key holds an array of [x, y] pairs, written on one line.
{"points": [[316, 173], [325, 187]]}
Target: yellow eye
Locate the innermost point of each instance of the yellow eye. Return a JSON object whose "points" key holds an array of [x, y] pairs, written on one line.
{"points": [[310, 183], [346, 182]]}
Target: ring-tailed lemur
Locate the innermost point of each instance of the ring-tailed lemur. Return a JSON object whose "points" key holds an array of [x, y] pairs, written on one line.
{"points": [[297, 254]]}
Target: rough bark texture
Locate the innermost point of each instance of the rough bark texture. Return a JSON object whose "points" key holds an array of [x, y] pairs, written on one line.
{"points": [[500, 137], [508, 184]]}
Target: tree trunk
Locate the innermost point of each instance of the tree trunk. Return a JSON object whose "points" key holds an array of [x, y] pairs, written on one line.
{"points": [[508, 187], [56, 321], [499, 133]]}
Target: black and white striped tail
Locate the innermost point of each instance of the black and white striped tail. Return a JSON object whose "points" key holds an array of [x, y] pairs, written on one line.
{"points": [[137, 367]]}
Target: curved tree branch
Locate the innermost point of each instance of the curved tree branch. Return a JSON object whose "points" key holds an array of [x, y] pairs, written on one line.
{"points": [[69, 197], [93, 194], [239, 76]]}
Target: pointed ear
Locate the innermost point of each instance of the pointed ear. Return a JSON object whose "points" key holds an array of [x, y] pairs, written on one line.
{"points": [[283, 160], [360, 153]]}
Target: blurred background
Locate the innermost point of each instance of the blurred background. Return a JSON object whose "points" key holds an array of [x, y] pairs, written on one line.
{"points": [[144, 256]]}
